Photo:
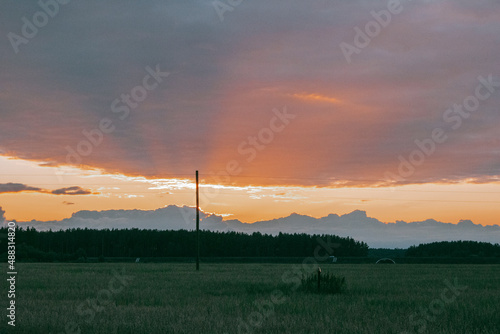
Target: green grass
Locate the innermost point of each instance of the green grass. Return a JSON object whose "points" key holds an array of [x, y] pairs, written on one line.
{"points": [[225, 298]]}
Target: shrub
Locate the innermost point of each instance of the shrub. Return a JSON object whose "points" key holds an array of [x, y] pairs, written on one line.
{"points": [[329, 283]]}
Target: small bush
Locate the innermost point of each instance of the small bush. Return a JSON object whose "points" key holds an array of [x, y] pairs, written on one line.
{"points": [[329, 283]]}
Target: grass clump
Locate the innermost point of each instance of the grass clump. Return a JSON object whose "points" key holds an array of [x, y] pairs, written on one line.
{"points": [[329, 283]]}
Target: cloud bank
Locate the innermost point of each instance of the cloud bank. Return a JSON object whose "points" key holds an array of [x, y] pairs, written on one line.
{"points": [[2, 215], [355, 224]]}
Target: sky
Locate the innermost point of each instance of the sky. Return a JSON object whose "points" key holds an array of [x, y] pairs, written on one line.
{"points": [[313, 107]]}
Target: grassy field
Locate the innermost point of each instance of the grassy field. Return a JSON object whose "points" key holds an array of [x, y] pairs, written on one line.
{"points": [[252, 298]]}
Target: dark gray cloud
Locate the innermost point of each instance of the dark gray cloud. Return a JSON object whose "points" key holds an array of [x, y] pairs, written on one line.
{"points": [[71, 191], [19, 187]]}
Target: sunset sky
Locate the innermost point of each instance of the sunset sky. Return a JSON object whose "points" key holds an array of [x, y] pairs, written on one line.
{"points": [[313, 107]]}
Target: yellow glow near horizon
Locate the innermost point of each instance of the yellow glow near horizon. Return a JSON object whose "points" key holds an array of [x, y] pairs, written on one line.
{"points": [[448, 203]]}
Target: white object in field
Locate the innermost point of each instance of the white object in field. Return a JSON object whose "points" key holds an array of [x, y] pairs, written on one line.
{"points": [[386, 260], [137, 260], [334, 259]]}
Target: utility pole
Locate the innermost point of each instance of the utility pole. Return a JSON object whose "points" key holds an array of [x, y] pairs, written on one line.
{"points": [[197, 224]]}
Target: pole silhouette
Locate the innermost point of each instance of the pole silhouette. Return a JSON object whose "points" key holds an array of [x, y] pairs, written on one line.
{"points": [[197, 224]]}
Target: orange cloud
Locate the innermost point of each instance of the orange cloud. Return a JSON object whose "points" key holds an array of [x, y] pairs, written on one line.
{"points": [[316, 98]]}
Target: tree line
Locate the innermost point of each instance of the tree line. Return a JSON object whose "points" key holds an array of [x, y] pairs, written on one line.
{"points": [[454, 249], [78, 244]]}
